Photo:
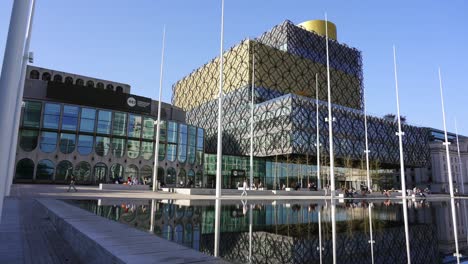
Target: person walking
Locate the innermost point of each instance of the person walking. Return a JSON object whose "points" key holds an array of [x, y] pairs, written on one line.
{"points": [[72, 184], [244, 188]]}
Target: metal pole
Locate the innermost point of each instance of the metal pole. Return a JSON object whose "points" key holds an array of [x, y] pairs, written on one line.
{"points": [[320, 236], [14, 135], [252, 118], [333, 218], [10, 81], [158, 125], [399, 133], [318, 131], [152, 216], [219, 156], [446, 143], [449, 169], [330, 119], [250, 232], [460, 164], [367, 145]]}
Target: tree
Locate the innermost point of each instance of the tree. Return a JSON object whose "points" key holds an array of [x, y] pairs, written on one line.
{"points": [[393, 118]]}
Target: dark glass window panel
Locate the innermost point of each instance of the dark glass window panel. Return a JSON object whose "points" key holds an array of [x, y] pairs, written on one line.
{"points": [[171, 176], [171, 152], [28, 139], [88, 116], [51, 117], [24, 169], [102, 146], [118, 147], [118, 124], [70, 117], [116, 173], [133, 148], [67, 143], [172, 132], [85, 144], [134, 126], [82, 172], [162, 151], [32, 114], [48, 141], [104, 122], [100, 173], [64, 171], [147, 150], [148, 128], [45, 170], [182, 143]]}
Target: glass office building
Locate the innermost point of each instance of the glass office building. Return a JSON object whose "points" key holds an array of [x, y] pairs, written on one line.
{"points": [[61, 136]]}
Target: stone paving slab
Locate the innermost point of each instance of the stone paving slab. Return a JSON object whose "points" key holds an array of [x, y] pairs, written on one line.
{"points": [[28, 236], [106, 241]]}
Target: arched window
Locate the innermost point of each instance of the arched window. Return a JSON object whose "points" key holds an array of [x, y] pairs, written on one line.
{"points": [[110, 87], [100, 85], [58, 78], [64, 171], [28, 140], [171, 176], [68, 80], [146, 174], [34, 75], [90, 84], [24, 169], [45, 170], [79, 82], [146, 150], [100, 172], [182, 178], [132, 172], [119, 89], [82, 172], [116, 173], [46, 76], [118, 147]]}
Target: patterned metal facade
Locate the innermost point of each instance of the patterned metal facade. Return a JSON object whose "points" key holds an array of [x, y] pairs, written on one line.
{"points": [[287, 59]]}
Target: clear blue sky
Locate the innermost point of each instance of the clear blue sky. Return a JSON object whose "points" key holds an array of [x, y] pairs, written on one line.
{"points": [[121, 40]]}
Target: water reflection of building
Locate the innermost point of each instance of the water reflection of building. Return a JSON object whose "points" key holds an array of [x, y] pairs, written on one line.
{"points": [[288, 233]]}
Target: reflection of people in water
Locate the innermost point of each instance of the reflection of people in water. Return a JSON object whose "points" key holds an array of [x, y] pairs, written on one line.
{"points": [[244, 207]]}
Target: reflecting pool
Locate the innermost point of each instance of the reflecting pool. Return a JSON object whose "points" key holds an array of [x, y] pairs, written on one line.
{"points": [[314, 231]]}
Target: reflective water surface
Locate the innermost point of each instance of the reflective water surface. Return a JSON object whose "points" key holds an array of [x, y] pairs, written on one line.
{"points": [[295, 231]]}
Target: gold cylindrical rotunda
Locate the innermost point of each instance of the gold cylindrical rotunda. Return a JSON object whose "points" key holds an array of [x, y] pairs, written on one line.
{"points": [[318, 26]]}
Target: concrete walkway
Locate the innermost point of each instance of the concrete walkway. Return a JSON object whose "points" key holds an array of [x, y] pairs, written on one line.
{"points": [[93, 192], [28, 236]]}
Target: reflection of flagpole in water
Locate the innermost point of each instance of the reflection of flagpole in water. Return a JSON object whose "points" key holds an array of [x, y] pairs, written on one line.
{"points": [[333, 208], [250, 232], [152, 216], [455, 229], [405, 219], [371, 241], [217, 231], [320, 248]]}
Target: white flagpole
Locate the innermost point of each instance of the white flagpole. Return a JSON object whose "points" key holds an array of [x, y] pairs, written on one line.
{"points": [[158, 122], [19, 100], [449, 170], [446, 143], [219, 156], [367, 145], [402, 165], [460, 163], [330, 119], [252, 118], [318, 131], [399, 133]]}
